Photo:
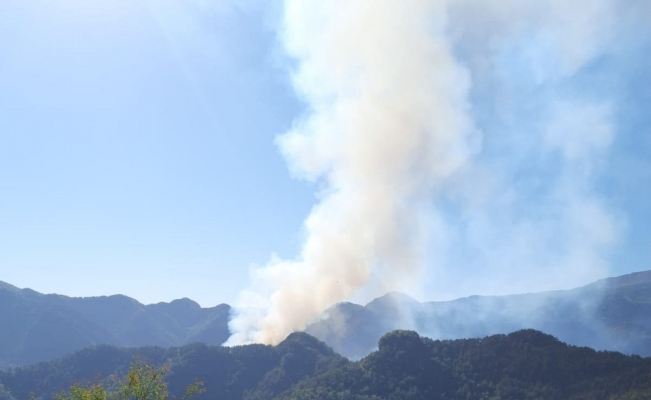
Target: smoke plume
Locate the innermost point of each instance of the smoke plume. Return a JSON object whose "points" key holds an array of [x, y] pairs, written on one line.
{"points": [[446, 131], [388, 122]]}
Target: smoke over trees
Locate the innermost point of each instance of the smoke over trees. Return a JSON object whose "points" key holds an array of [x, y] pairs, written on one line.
{"points": [[414, 169]]}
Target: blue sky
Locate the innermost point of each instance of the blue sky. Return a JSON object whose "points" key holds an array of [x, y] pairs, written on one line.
{"points": [[138, 155]]}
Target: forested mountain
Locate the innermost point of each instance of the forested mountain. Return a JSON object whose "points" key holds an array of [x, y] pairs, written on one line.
{"points": [[611, 314], [38, 327], [525, 364], [253, 371], [522, 365]]}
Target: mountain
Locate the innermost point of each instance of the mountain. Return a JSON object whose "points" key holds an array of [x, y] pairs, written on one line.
{"points": [[610, 314], [38, 327], [525, 364], [251, 372]]}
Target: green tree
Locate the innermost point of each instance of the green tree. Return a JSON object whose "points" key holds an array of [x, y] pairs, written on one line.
{"points": [[5, 394], [142, 382]]}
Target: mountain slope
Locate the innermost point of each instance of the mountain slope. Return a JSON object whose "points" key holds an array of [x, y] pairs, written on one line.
{"points": [[251, 372], [612, 314], [525, 364], [39, 327]]}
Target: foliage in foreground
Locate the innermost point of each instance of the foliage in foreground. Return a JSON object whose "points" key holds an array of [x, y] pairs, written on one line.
{"points": [[142, 382]]}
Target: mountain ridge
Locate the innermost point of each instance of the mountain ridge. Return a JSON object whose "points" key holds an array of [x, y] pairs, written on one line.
{"points": [[38, 327], [522, 364], [611, 314], [608, 314]]}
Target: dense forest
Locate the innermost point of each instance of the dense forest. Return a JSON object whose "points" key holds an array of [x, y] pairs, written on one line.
{"points": [[526, 364]]}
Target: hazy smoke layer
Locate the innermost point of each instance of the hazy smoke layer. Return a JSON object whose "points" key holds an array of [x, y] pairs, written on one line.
{"points": [[526, 214], [388, 122], [391, 136]]}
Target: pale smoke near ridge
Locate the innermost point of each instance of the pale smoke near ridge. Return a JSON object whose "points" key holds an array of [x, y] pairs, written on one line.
{"points": [[389, 129], [388, 122], [527, 216]]}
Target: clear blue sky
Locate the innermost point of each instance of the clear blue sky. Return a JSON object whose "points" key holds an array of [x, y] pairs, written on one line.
{"points": [[137, 149]]}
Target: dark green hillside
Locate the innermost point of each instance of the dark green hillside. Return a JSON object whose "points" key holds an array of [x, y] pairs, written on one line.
{"points": [[522, 365], [526, 364], [46, 379], [251, 372]]}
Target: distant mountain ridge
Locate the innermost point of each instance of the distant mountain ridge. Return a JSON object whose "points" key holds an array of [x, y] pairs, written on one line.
{"points": [[38, 327], [609, 314]]}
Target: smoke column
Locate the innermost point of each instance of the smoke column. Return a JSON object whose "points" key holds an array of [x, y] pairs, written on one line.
{"points": [[491, 180], [387, 123]]}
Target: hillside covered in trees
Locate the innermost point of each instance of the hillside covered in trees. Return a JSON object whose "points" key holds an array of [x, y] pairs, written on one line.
{"points": [[526, 364], [39, 327]]}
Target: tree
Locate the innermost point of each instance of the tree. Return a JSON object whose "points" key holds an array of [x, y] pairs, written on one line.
{"points": [[5, 394], [142, 382]]}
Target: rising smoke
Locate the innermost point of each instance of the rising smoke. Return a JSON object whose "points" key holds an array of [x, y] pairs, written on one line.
{"points": [[391, 135]]}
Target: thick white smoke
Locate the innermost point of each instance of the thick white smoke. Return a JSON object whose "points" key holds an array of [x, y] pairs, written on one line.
{"points": [[390, 134], [388, 122]]}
